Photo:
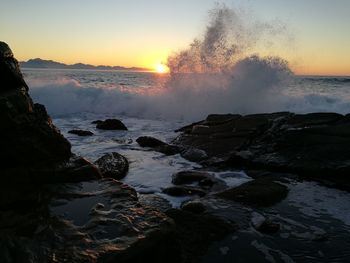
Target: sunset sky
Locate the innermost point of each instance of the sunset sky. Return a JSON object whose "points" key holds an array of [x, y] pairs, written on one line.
{"points": [[143, 33]]}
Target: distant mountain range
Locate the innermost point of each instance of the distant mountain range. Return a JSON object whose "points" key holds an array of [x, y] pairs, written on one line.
{"points": [[50, 64]]}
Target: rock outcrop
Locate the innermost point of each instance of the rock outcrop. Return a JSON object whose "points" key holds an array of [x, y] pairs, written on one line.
{"points": [[32, 148], [54, 206], [27, 133], [313, 145], [158, 145], [110, 124]]}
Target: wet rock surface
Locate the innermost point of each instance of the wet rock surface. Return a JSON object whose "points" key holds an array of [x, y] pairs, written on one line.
{"points": [[194, 233], [81, 132], [83, 222], [313, 145], [158, 145], [110, 124], [113, 165], [259, 192]]}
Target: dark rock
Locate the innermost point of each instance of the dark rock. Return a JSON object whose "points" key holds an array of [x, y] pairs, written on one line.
{"points": [[207, 183], [32, 148], [113, 165], [259, 192], [183, 191], [194, 155], [188, 177], [168, 149], [313, 119], [215, 119], [158, 145], [195, 232], [47, 212], [11, 76], [81, 132], [147, 141], [111, 124], [314, 145], [269, 227], [188, 128], [99, 221], [195, 207], [77, 169], [28, 137]]}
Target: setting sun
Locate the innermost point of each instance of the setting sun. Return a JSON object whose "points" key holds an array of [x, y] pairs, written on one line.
{"points": [[161, 68]]}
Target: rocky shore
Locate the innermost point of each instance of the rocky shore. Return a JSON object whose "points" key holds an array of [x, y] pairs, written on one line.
{"points": [[40, 178], [59, 207], [311, 145]]}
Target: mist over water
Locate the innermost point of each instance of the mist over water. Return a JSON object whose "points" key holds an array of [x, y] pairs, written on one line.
{"points": [[219, 72]]}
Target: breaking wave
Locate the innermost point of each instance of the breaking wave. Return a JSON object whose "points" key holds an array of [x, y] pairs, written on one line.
{"points": [[219, 72]]}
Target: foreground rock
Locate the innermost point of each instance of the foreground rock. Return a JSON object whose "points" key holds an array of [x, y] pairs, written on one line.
{"points": [[32, 149], [111, 124], [194, 233], [158, 145], [259, 192], [81, 132], [113, 165], [313, 145], [54, 206], [106, 224], [27, 135]]}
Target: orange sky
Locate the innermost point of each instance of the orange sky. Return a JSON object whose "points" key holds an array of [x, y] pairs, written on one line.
{"points": [[143, 33]]}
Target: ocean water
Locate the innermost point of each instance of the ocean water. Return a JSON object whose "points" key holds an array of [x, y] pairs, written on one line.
{"points": [[149, 107], [144, 102]]}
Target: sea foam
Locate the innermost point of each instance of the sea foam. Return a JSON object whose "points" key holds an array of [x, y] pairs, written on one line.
{"points": [[219, 72]]}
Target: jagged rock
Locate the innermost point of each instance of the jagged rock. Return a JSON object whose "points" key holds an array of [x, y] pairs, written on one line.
{"points": [[81, 132], [262, 191], [158, 145], [315, 145], [111, 124], [113, 165], [32, 148]]}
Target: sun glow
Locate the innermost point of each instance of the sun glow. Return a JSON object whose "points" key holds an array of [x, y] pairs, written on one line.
{"points": [[161, 68]]}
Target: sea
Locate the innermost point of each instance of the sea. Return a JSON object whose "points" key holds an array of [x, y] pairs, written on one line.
{"points": [[154, 104]]}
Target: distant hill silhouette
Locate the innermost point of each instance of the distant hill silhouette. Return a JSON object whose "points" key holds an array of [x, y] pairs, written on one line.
{"points": [[50, 64]]}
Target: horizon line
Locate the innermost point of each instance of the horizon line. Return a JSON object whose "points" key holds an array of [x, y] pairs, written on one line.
{"points": [[144, 69]]}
